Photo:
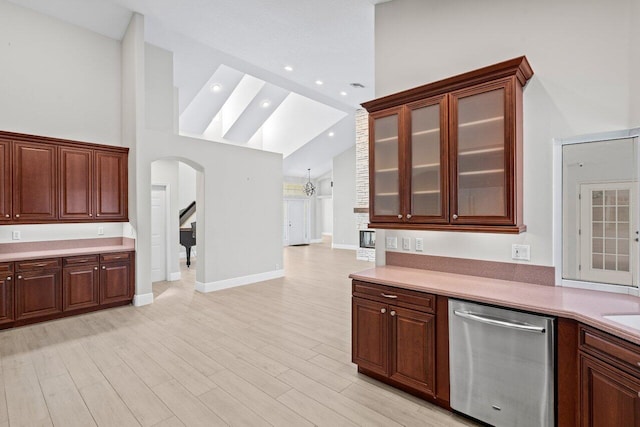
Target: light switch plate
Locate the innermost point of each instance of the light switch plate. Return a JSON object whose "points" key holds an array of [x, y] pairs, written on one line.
{"points": [[100, 231], [392, 243], [15, 235], [406, 243], [419, 244], [521, 252]]}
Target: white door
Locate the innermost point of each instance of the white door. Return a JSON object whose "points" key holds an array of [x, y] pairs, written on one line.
{"points": [[608, 232], [297, 223], [158, 233]]}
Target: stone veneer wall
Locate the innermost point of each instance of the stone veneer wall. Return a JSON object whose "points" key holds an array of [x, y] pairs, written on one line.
{"points": [[362, 180]]}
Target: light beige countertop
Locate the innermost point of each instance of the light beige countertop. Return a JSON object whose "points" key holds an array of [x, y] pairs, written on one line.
{"points": [[585, 306], [62, 248]]}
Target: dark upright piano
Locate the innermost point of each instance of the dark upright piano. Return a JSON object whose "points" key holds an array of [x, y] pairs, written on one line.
{"points": [[188, 235]]}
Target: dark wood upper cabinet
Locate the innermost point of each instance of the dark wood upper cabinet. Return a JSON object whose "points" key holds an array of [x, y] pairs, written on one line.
{"points": [[45, 180], [76, 183], [448, 155], [111, 185], [5, 185]]}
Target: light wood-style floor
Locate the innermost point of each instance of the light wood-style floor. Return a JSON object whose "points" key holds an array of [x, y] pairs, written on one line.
{"points": [[274, 353]]}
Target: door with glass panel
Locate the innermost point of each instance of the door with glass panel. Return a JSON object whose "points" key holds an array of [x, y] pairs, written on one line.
{"points": [[482, 134], [427, 164], [385, 158], [608, 232]]}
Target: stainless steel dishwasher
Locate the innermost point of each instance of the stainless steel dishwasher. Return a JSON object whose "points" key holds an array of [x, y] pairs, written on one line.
{"points": [[502, 365]]}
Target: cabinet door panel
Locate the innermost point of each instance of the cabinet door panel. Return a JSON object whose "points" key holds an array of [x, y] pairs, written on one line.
{"points": [[111, 185], [413, 348], [38, 294], [609, 397], [370, 344], [80, 287], [482, 139], [428, 162], [385, 158], [34, 181], [115, 282], [6, 299], [5, 181], [76, 173]]}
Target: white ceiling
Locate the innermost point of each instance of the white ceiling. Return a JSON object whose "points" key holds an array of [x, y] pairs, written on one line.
{"points": [[328, 40]]}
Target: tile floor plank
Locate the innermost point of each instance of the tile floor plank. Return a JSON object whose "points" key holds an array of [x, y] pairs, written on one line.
{"points": [[65, 403], [106, 407], [231, 410], [191, 411]]}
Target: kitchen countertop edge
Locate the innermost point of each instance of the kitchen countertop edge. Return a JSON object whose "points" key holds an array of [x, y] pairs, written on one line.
{"points": [[582, 305]]}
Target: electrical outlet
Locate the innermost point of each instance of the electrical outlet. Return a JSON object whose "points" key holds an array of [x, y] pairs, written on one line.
{"points": [[100, 231], [419, 244], [521, 252], [15, 235], [392, 243], [406, 243]]}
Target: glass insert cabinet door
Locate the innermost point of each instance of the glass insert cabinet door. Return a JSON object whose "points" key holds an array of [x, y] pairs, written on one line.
{"points": [[480, 134], [384, 164], [427, 161]]}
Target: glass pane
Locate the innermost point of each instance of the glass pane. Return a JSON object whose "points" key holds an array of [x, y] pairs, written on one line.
{"points": [[623, 213], [623, 197], [598, 229], [623, 246], [598, 246], [609, 213], [610, 197], [387, 174], [610, 246], [597, 213], [596, 198], [610, 229], [481, 173], [623, 230], [610, 262], [596, 261], [425, 161], [623, 263]]}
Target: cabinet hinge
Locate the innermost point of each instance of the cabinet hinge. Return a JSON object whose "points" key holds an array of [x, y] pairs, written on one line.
{"points": [[579, 196], [580, 232], [579, 267]]}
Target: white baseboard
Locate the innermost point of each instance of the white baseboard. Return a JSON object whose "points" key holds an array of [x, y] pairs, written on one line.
{"points": [[316, 240], [183, 255], [327, 234], [339, 246], [142, 299], [175, 276], [238, 281]]}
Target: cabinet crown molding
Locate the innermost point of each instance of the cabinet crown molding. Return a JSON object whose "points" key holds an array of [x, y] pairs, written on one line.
{"points": [[518, 67]]}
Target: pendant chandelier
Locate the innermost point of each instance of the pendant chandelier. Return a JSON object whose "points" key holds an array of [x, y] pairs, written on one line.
{"points": [[309, 188]]}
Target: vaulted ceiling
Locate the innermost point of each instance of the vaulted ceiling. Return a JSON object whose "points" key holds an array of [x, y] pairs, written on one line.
{"points": [[243, 46]]}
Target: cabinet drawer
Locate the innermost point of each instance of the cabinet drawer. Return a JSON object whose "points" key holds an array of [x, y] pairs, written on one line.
{"points": [[396, 296], [38, 264], [619, 352], [80, 260], [118, 256], [6, 267]]}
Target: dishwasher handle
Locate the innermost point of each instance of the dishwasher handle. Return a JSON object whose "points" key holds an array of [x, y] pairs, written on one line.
{"points": [[499, 322]]}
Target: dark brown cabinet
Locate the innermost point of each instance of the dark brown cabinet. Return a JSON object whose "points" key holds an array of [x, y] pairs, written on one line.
{"points": [[6, 293], [46, 180], [38, 288], [80, 283], [395, 342], [34, 182], [448, 155], [116, 278], [609, 380]]}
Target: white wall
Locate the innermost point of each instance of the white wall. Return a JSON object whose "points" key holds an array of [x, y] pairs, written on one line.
{"points": [[159, 91], [57, 79], [345, 233], [187, 178], [634, 93], [580, 53], [165, 172]]}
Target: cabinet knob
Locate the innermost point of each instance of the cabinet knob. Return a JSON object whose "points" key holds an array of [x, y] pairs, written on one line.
{"points": [[17, 215], [90, 214], [393, 313], [8, 278], [97, 214], [104, 267], [7, 216], [455, 216], [19, 277], [383, 310], [95, 268], [399, 216], [408, 216]]}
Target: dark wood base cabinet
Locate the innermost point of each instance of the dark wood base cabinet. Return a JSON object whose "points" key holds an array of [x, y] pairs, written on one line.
{"points": [[394, 339], [57, 287]]}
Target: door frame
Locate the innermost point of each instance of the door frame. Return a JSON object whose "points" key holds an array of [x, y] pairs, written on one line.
{"points": [[167, 224]]}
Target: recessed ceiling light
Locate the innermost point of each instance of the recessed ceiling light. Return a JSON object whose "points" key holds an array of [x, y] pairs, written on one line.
{"points": [[265, 103], [319, 82], [215, 87], [343, 93], [357, 85], [331, 133], [288, 68]]}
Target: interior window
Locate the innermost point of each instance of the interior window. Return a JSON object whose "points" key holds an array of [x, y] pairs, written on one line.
{"points": [[600, 212]]}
